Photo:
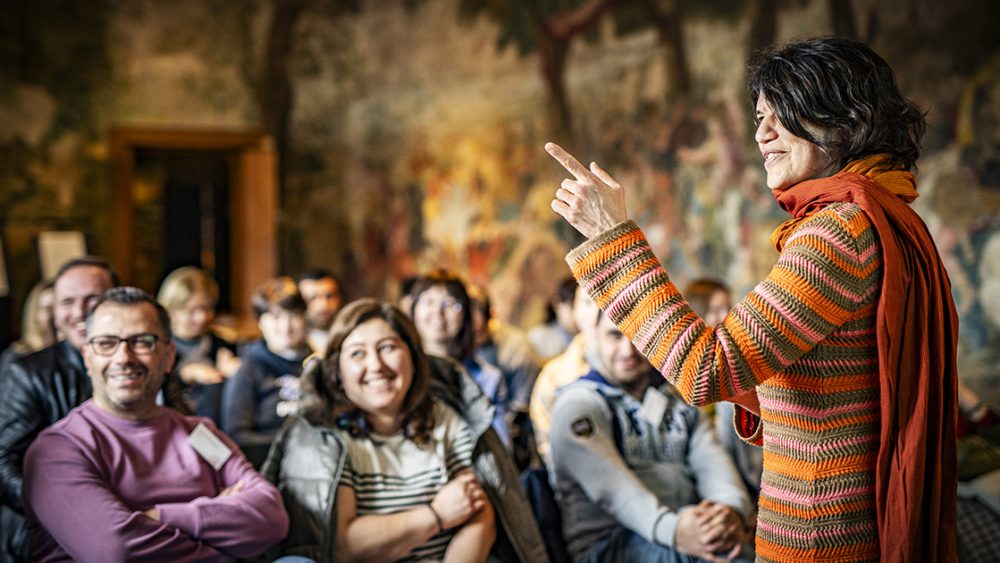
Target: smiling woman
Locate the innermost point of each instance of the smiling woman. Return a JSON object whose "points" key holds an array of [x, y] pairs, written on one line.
{"points": [[842, 361], [788, 159], [399, 462]]}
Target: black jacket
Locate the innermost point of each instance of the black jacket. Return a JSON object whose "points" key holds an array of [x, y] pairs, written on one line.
{"points": [[35, 391]]}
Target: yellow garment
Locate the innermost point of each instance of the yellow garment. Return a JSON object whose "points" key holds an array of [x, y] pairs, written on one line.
{"points": [[559, 371], [900, 182]]}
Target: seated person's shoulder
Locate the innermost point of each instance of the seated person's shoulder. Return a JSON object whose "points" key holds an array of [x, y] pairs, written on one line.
{"points": [[304, 450], [71, 427], [579, 412], [443, 413], [188, 423], [219, 342], [78, 431], [34, 364], [677, 403], [446, 372], [448, 419], [452, 431], [578, 395]]}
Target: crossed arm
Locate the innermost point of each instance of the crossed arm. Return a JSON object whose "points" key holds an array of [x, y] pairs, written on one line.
{"points": [[68, 495], [460, 504]]}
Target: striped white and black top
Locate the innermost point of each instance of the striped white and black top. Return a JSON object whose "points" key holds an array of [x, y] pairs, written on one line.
{"points": [[391, 473]]}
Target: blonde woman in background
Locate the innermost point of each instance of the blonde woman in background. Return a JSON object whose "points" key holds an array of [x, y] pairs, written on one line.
{"points": [[204, 360], [37, 329]]}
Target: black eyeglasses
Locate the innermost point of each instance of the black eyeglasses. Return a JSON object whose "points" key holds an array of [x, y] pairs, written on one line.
{"points": [[140, 344]]}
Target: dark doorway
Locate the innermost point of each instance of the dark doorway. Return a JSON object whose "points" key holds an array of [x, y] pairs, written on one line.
{"points": [[193, 212], [233, 172]]}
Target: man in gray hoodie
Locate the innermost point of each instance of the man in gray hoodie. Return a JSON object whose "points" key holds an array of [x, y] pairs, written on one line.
{"points": [[639, 474]]}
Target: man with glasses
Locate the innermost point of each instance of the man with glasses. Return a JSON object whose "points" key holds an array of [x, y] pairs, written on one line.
{"points": [[121, 478], [41, 388]]}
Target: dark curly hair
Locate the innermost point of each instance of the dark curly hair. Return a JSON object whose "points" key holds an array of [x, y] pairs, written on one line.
{"points": [[844, 88], [324, 400]]}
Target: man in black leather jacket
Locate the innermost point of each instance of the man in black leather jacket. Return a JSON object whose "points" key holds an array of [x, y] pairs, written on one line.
{"points": [[41, 388]]}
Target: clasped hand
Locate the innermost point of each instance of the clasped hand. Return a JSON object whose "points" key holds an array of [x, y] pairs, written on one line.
{"points": [[710, 529], [459, 500], [593, 202]]}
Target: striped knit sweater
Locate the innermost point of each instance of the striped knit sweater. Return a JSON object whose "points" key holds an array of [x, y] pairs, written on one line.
{"points": [[805, 339]]}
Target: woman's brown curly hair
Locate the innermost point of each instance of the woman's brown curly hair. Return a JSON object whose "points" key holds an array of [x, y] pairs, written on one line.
{"points": [[324, 400]]}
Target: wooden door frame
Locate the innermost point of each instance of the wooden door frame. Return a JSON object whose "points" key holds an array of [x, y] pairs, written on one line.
{"points": [[253, 200]]}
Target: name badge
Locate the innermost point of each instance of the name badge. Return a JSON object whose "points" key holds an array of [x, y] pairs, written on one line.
{"points": [[209, 446], [654, 404]]}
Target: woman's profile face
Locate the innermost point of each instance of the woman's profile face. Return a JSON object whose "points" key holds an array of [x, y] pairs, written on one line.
{"points": [[788, 159], [437, 315], [376, 368]]}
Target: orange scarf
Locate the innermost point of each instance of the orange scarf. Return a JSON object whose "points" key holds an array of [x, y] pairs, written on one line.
{"points": [[916, 473], [899, 182]]}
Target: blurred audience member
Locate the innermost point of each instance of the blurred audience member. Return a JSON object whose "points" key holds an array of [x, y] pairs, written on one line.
{"points": [[204, 360], [551, 338], [507, 347], [265, 389], [41, 388], [442, 313], [405, 294], [562, 370], [321, 291], [978, 436], [978, 453], [37, 328], [711, 300]]}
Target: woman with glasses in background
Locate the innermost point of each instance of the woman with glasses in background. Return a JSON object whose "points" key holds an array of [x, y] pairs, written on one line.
{"points": [[442, 313]]}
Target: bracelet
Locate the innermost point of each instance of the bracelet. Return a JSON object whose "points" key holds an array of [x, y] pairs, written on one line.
{"points": [[437, 518]]}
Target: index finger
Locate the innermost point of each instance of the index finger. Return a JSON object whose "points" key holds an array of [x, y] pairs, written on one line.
{"points": [[571, 164]]}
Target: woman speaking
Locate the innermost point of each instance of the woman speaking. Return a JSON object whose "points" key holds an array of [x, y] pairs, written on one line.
{"points": [[841, 361]]}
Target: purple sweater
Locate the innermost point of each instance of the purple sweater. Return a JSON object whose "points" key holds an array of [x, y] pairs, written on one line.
{"points": [[89, 478]]}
